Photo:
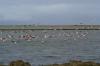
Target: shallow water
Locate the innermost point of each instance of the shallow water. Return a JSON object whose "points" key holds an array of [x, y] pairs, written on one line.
{"points": [[57, 48]]}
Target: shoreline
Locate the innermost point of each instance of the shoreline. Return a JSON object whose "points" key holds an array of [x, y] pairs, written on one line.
{"points": [[49, 27], [70, 63]]}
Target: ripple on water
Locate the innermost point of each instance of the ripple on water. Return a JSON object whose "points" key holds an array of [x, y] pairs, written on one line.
{"points": [[52, 50]]}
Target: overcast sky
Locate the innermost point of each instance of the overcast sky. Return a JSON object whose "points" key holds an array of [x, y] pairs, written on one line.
{"points": [[49, 11]]}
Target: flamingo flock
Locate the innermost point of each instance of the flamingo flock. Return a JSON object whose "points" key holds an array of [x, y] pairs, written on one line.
{"points": [[30, 35]]}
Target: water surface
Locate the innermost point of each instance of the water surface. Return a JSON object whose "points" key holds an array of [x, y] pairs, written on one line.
{"points": [[51, 46]]}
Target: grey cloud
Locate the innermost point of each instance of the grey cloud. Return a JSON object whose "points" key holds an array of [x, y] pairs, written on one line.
{"points": [[50, 11], [31, 10], [46, 2]]}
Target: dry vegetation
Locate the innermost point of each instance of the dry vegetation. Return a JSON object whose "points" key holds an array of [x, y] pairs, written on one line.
{"points": [[71, 63], [77, 63]]}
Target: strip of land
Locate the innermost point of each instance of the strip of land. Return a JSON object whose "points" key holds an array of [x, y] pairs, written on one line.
{"points": [[50, 27], [71, 63]]}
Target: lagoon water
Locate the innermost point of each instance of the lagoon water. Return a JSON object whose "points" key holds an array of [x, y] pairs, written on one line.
{"points": [[51, 46]]}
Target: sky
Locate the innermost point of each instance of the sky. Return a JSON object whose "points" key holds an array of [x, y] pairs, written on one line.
{"points": [[49, 12]]}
